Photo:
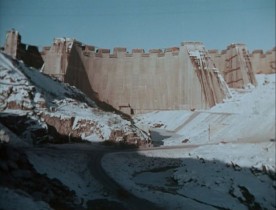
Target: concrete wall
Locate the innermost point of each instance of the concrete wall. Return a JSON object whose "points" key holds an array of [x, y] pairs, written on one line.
{"points": [[185, 77], [262, 62], [235, 65], [146, 82], [13, 39], [137, 82], [56, 57], [28, 53]]}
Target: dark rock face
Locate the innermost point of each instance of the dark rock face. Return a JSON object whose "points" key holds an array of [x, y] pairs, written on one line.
{"points": [[16, 172], [26, 127], [103, 204]]}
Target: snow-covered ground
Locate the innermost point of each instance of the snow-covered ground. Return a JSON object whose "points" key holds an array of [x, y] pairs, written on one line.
{"points": [[248, 116], [228, 161], [222, 176], [70, 167]]}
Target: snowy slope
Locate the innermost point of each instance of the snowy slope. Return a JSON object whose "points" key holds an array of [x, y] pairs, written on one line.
{"points": [[248, 116], [228, 162], [15, 73], [26, 91]]}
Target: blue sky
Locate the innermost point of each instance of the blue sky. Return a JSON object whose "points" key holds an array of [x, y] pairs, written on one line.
{"points": [[142, 23]]}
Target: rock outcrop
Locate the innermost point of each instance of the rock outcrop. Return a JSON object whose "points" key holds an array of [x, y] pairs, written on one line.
{"points": [[39, 109], [19, 175]]}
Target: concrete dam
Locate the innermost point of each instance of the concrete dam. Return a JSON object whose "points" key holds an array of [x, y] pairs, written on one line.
{"points": [[184, 77]]}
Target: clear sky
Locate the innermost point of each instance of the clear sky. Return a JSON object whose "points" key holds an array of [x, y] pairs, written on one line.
{"points": [[142, 23]]}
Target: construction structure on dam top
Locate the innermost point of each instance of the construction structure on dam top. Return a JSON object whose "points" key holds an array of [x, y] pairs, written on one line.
{"points": [[184, 77], [236, 67], [28, 53]]}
